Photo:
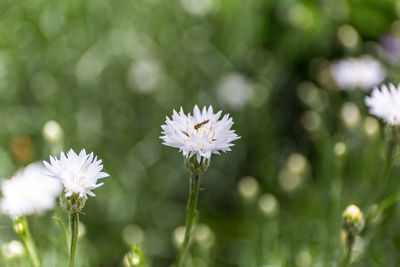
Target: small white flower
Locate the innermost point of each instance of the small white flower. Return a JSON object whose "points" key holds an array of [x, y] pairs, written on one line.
{"points": [[385, 103], [364, 73], [202, 134], [29, 191], [78, 173]]}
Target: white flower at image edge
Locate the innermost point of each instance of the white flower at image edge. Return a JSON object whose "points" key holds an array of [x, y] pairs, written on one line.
{"points": [[199, 135], [384, 103], [29, 191], [78, 173]]}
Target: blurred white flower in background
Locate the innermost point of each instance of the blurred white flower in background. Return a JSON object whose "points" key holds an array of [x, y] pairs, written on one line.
{"points": [[144, 75], [384, 103], [197, 7], [364, 73], [311, 120], [13, 249], [348, 36], [340, 148], [268, 204], [78, 173], [248, 187], [289, 181], [296, 163], [303, 259], [371, 126], [350, 114], [203, 235], [52, 131], [301, 16], [201, 135], [235, 90], [179, 235], [133, 234], [293, 175], [30, 191]]}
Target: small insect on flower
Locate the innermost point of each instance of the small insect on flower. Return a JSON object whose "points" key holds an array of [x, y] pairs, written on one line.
{"points": [[200, 134], [197, 126]]}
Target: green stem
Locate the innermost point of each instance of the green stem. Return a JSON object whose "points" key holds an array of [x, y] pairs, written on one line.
{"points": [[21, 227], [73, 221], [388, 202], [385, 174], [191, 216], [350, 243]]}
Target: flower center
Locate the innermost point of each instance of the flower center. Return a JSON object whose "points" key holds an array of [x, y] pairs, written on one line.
{"points": [[202, 129]]}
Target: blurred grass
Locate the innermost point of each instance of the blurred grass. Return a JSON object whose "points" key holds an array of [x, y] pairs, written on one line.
{"points": [[110, 71]]}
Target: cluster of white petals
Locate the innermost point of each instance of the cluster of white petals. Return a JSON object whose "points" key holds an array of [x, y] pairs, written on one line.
{"points": [[199, 135], [30, 191], [364, 73], [384, 103], [78, 173]]}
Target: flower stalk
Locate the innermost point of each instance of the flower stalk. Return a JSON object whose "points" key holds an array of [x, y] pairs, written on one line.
{"points": [[21, 227], [196, 168], [191, 216], [392, 141], [349, 247], [74, 222], [73, 205]]}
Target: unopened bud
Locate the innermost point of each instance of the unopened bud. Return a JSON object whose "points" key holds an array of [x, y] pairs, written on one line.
{"points": [[72, 204], [134, 258], [19, 227], [353, 220], [196, 167]]}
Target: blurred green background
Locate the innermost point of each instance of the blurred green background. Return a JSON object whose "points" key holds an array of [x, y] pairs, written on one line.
{"points": [[102, 75]]}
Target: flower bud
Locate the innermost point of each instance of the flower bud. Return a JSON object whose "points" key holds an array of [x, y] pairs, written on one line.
{"points": [[134, 258], [353, 220], [19, 226], [393, 133], [195, 167], [72, 204]]}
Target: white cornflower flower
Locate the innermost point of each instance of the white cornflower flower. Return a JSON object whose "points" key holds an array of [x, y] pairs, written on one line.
{"points": [[201, 135], [30, 191], [78, 173], [364, 73], [385, 103]]}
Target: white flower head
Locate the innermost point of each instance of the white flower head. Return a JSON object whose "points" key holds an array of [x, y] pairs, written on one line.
{"points": [[199, 135], [78, 173], [384, 103], [364, 73], [29, 191]]}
